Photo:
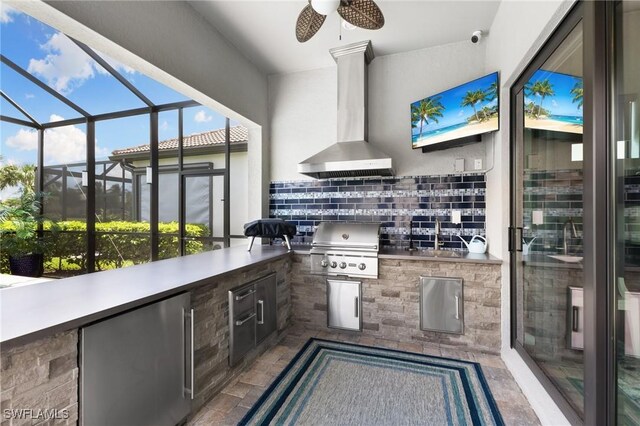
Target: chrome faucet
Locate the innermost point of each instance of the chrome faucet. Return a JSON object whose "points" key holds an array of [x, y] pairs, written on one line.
{"points": [[574, 234], [411, 247], [437, 242]]}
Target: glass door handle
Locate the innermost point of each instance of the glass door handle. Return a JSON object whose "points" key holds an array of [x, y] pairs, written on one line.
{"points": [[515, 238], [575, 311]]}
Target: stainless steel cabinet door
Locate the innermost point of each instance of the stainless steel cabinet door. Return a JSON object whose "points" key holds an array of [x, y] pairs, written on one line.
{"points": [[441, 305], [344, 304], [266, 306], [132, 369]]}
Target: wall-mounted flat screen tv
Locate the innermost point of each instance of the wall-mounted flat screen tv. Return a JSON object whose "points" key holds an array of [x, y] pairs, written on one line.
{"points": [[456, 116], [553, 101]]}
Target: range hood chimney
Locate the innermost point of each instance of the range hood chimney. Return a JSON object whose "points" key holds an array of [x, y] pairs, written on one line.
{"points": [[352, 155]]}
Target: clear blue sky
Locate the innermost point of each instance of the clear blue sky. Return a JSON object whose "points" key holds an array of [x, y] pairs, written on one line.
{"points": [[51, 57], [451, 99], [562, 102]]}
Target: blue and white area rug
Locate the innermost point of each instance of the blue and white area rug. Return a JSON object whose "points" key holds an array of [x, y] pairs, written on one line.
{"points": [[335, 383]]}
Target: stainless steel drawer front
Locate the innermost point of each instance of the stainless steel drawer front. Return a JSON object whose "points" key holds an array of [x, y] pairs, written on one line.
{"points": [[242, 301], [242, 322], [441, 305]]}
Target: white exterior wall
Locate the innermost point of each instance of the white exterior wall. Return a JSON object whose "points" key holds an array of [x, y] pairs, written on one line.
{"points": [[303, 108]]}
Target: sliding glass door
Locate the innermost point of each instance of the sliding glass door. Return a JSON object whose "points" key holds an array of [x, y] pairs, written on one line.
{"points": [[575, 223], [548, 214], [625, 142]]}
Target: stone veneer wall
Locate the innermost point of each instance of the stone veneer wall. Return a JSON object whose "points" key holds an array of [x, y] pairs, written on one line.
{"points": [[41, 375], [44, 374], [390, 304], [545, 311], [395, 202], [211, 307]]}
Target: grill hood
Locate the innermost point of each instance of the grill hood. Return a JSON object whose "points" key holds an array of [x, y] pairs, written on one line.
{"points": [[352, 155]]}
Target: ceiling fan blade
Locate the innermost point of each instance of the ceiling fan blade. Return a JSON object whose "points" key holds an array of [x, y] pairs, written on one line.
{"points": [[362, 13], [309, 22]]}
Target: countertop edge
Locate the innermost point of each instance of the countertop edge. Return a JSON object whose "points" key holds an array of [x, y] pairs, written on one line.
{"points": [[397, 254], [485, 259], [78, 322]]}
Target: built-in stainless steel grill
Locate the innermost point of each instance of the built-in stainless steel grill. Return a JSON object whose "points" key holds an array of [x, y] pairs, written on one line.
{"points": [[347, 249]]}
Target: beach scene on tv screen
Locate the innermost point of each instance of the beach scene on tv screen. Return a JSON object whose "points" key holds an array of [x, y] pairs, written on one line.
{"points": [[553, 101], [466, 110]]}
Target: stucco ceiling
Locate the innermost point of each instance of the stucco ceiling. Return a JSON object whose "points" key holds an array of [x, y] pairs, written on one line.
{"points": [[264, 31]]}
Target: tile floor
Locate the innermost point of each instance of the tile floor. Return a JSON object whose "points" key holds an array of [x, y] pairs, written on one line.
{"points": [[235, 400]]}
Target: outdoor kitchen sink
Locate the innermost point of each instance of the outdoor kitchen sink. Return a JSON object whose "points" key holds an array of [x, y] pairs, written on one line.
{"points": [[566, 259], [441, 253]]}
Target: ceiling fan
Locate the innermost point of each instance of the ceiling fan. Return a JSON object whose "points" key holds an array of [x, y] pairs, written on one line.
{"points": [[361, 13]]}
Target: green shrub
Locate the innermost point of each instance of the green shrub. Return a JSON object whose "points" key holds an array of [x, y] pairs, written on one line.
{"points": [[118, 244]]}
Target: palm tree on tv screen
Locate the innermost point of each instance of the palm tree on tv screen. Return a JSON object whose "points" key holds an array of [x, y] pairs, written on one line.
{"points": [[488, 112], [492, 91], [427, 109], [578, 91], [540, 88], [472, 98]]}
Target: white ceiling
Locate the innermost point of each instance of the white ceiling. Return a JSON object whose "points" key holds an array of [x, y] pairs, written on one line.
{"points": [[264, 31]]}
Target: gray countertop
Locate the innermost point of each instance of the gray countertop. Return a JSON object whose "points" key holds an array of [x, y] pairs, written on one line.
{"points": [[401, 254], [37, 310], [464, 257]]}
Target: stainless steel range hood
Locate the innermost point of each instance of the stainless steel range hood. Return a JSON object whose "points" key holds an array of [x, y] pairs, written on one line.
{"points": [[352, 155]]}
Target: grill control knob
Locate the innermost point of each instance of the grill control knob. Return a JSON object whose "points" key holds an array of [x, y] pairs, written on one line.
{"points": [[334, 264], [324, 263], [362, 266], [343, 265]]}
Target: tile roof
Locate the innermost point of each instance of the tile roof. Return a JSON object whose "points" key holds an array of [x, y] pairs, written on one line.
{"points": [[197, 140]]}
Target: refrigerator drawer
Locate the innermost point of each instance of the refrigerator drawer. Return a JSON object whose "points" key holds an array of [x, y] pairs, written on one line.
{"points": [[252, 316], [242, 300], [242, 337], [441, 305], [136, 367]]}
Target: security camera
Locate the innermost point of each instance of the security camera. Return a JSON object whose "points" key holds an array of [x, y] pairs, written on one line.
{"points": [[476, 36]]}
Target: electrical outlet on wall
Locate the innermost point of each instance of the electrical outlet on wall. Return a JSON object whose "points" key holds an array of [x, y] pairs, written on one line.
{"points": [[537, 217], [456, 217], [477, 164]]}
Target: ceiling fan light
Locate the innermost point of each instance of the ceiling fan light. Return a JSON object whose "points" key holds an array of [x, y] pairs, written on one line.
{"points": [[325, 7], [348, 26]]}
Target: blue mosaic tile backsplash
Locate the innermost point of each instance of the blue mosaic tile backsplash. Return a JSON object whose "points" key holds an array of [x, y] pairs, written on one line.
{"points": [[558, 194], [395, 202]]}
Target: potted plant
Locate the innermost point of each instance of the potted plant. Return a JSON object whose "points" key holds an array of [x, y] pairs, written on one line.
{"points": [[19, 220]]}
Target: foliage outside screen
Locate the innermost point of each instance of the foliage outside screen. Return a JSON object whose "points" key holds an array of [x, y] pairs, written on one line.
{"points": [[118, 244]]}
